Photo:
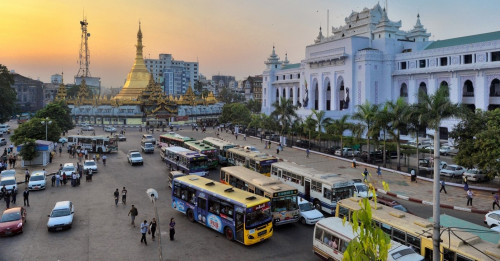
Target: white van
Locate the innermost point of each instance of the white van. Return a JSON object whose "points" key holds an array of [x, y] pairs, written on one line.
{"points": [[331, 238]]}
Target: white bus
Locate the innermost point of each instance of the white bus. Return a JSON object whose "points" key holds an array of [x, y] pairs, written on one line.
{"points": [[321, 188], [100, 144], [331, 239], [222, 146]]}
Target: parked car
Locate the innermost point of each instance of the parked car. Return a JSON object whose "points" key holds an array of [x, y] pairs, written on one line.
{"points": [[147, 147], [121, 137], [308, 214], [68, 169], [134, 157], [361, 190], [332, 149], [37, 180], [475, 175], [303, 144], [492, 219], [148, 138], [8, 180], [347, 152], [3, 142], [448, 150], [12, 221], [110, 129], [87, 128], [375, 156], [453, 171], [89, 165], [427, 163], [61, 216]]}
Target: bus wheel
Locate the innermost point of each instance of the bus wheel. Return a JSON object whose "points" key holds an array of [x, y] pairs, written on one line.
{"points": [[229, 233], [317, 204], [190, 215]]}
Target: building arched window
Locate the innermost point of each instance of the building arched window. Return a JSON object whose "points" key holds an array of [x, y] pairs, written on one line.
{"points": [[403, 91], [495, 88], [422, 88], [328, 96], [316, 94], [468, 89]]}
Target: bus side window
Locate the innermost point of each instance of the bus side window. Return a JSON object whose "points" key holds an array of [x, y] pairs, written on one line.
{"points": [[202, 203], [191, 196], [177, 190], [213, 206], [463, 258], [343, 245], [223, 176], [327, 193], [319, 234]]}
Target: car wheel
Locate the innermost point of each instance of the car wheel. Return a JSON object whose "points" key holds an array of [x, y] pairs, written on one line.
{"points": [[302, 220]]}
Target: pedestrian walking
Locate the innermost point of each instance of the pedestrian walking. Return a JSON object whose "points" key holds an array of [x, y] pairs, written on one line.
{"points": [[495, 201], [354, 162], [6, 197], [261, 135], [307, 153], [144, 230], [470, 194], [124, 196], [152, 228], [443, 187], [26, 176], [53, 179], [133, 213], [64, 178], [104, 160], [14, 195], [278, 150], [245, 136], [379, 172], [58, 179], [60, 151], [365, 175], [116, 194], [413, 175], [466, 187], [26, 197], [172, 228], [465, 180]]}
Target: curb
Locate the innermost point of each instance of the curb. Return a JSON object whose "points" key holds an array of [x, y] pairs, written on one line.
{"points": [[471, 210]]}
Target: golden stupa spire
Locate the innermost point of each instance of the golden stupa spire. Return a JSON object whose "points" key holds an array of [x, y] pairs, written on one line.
{"points": [[138, 77]]}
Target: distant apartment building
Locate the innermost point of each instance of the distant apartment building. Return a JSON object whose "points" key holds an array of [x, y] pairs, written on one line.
{"points": [[223, 80], [29, 93], [252, 88], [166, 66]]}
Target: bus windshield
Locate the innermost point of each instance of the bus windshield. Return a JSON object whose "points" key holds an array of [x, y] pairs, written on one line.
{"points": [[197, 163], [258, 217], [284, 203]]}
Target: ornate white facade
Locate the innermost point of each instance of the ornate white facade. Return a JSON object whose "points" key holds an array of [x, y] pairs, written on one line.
{"points": [[371, 59]]}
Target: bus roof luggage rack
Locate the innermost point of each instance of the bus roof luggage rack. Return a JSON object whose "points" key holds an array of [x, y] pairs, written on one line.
{"points": [[229, 190], [251, 198], [210, 184]]}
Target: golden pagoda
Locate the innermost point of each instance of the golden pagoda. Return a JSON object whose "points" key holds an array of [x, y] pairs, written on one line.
{"points": [[138, 77], [61, 91]]}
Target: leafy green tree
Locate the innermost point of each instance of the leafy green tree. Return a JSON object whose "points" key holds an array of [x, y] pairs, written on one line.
{"points": [[338, 127], [28, 150], [372, 243], [367, 113], [477, 137], [285, 112], [8, 95], [35, 129], [198, 87], [398, 112], [435, 108], [254, 106], [321, 122], [383, 122], [309, 127], [58, 111], [236, 113]]}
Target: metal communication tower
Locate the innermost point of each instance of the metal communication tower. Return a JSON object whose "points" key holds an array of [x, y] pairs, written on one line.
{"points": [[84, 58]]}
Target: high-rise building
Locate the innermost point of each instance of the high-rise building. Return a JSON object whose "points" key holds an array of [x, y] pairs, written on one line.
{"points": [[166, 65]]}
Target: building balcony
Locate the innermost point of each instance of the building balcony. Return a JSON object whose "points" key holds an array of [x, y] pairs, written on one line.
{"points": [[468, 94], [494, 100], [468, 100]]}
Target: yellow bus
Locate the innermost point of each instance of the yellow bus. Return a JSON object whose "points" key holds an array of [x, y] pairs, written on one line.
{"points": [[283, 197], [239, 215], [416, 232], [254, 160]]}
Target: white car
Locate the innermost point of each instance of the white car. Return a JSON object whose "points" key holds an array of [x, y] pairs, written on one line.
{"points": [[148, 138], [87, 128], [475, 175], [9, 182], [89, 165], [361, 190], [308, 214], [447, 150], [68, 169], [37, 180], [134, 157], [492, 219], [63, 140], [3, 142], [109, 129], [347, 152], [61, 216], [453, 171]]}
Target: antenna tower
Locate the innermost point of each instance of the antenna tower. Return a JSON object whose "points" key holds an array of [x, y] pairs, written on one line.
{"points": [[84, 57]]}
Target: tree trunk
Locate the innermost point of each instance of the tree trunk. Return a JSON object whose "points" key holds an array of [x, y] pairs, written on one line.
{"points": [[418, 157], [384, 159], [435, 207], [398, 152]]}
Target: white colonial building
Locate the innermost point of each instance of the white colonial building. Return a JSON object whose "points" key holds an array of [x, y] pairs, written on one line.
{"points": [[371, 59]]}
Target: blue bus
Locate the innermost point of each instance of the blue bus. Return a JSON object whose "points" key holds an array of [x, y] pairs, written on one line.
{"points": [[187, 161]]}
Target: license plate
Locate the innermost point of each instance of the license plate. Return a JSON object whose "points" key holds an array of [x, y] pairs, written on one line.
{"points": [[58, 228], [37, 187], [8, 232]]}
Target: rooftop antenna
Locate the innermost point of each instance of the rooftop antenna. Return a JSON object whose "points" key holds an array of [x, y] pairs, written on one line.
{"points": [[84, 57], [327, 22]]}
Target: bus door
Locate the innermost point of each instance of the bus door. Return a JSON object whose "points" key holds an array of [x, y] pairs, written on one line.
{"points": [[239, 225], [307, 189], [94, 145], [201, 216]]}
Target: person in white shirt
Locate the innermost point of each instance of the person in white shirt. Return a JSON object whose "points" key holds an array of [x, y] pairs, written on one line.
{"points": [[144, 230]]}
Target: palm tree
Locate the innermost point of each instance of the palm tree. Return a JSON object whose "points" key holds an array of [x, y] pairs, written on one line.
{"points": [[321, 122], [383, 122], [338, 127], [434, 109], [284, 111], [399, 112], [367, 114], [309, 126]]}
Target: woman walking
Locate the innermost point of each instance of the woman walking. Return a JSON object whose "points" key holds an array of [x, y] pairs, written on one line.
{"points": [[469, 197], [172, 228], [152, 228]]}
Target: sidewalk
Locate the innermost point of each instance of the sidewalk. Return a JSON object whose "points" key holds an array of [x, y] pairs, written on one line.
{"points": [[399, 184]]}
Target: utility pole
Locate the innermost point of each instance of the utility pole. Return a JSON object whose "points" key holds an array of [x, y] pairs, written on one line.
{"points": [[436, 237]]}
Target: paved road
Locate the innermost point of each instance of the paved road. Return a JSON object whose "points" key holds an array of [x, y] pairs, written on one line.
{"points": [[102, 231]]}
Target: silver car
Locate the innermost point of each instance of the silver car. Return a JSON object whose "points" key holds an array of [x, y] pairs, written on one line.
{"points": [[61, 216]]}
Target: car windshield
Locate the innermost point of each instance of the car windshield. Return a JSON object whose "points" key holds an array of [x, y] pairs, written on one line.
{"points": [[135, 155], [8, 182], [257, 217], [36, 178], [361, 188], [7, 217], [69, 168], [306, 207], [91, 163], [148, 137], [451, 168], [60, 213]]}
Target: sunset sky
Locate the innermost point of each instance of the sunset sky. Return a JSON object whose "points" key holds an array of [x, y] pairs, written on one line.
{"points": [[39, 38]]}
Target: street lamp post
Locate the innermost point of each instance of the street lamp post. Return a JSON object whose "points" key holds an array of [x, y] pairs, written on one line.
{"points": [[46, 122], [153, 194]]}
